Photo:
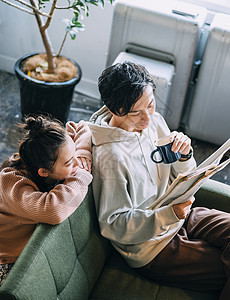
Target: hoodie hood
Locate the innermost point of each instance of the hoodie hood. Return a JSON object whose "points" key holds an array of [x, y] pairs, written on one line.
{"points": [[102, 133]]}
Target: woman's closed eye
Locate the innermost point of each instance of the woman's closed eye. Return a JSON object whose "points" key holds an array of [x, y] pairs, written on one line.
{"points": [[69, 164]]}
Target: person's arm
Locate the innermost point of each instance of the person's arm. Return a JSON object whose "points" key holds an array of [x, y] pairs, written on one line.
{"points": [[23, 198], [82, 137], [182, 166], [121, 221]]}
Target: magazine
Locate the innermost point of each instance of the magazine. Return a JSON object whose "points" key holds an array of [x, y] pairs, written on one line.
{"points": [[187, 184]]}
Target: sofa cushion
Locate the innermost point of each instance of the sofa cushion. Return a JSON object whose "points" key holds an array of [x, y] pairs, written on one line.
{"points": [[119, 282]]}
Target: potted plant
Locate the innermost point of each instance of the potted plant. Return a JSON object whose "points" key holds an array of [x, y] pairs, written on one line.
{"points": [[47, 80]]}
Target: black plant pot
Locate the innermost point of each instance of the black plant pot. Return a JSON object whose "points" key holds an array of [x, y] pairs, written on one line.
{"points": [[38, 96]]}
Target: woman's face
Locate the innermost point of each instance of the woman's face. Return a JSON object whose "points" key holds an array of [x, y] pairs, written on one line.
{"points": [[66, 163], [139, 116]]}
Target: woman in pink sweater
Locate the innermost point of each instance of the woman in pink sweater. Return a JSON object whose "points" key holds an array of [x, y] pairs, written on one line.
{"points": [[44, 183]]}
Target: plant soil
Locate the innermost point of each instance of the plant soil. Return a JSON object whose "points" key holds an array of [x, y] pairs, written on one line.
{"points": [[37, 66]]}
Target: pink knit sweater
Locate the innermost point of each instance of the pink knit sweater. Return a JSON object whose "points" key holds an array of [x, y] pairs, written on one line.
{"points": [[23, 206]]}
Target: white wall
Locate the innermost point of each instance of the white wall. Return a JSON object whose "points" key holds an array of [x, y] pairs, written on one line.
{"points": [[19, 35]]}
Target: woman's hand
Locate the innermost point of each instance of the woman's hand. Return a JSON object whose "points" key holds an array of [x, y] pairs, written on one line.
{"points": [[84, 163], [182, 143], [182, 209]]}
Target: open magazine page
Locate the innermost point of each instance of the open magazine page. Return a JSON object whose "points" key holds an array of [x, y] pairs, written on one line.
{"points": [[186, 185], [216, 157]]}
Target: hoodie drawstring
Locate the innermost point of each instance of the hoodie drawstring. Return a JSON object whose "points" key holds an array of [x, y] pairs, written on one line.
{"points": [[154, 147], [145, 160]]}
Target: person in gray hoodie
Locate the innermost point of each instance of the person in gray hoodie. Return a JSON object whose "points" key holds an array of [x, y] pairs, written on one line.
{"points": [[173, 244]]}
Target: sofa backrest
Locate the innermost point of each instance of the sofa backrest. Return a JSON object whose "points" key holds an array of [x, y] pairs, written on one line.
{"points": [[61, 261]]}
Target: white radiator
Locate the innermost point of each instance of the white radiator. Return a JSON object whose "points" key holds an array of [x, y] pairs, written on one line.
{"points": [[209, 118]]}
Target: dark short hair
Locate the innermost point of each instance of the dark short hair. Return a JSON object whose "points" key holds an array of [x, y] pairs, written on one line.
{"points": [[122, 84]]}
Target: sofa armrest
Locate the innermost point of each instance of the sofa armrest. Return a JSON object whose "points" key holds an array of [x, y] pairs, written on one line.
{"points": [[16, 282], [214, 194], [60, 261]]}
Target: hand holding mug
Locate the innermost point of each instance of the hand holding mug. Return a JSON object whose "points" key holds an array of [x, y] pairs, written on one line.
{"points": [[181, 143], [170, 148]]}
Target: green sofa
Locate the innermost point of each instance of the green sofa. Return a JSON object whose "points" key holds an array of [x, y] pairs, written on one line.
{"points": [[72, 261]]}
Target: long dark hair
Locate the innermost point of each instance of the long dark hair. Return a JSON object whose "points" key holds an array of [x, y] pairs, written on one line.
{"points": [[39, 146]]}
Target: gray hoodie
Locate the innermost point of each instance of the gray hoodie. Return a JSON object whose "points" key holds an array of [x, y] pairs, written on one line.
{"points": [[126, 182]]}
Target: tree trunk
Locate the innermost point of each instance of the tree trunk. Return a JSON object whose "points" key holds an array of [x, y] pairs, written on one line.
{"points": [[46, 41]]}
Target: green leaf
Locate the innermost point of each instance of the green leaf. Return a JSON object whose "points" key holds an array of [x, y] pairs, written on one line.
{"points": [[93, 3], [76, 10], [75, 19], [72, 35], [41, 3], [68, 28], [79, 8], [77, 24]]}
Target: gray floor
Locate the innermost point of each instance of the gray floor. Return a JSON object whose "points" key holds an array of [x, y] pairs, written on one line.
{"points": [[81, 108]]}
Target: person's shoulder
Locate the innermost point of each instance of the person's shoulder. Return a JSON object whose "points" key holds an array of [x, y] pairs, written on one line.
{"points": [[107, 149], [8, 170], [11, 178], [157, 116], [110, 152], [11, 172]]}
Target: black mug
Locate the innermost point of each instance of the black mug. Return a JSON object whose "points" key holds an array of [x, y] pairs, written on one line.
{"points": [[164, 146]]}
